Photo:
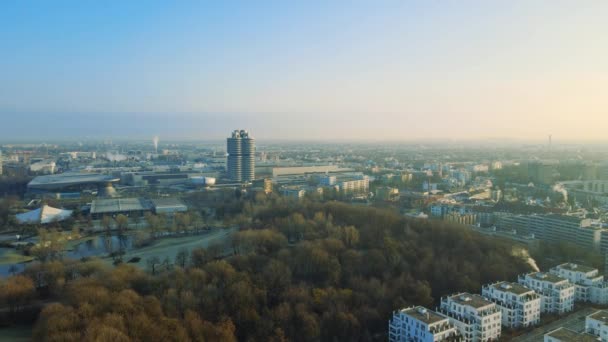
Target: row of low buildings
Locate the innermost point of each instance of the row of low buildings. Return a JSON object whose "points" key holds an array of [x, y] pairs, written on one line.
{"points": [[136, 207], [463, 214], [473, 317], [346, 184], [130, 207]]}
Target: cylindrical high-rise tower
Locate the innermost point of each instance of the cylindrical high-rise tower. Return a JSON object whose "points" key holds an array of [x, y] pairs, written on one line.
{"points": [[240, 164]]}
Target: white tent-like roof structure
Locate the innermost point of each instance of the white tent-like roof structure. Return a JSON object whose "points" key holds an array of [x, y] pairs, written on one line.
{"points": [[45, 214]]}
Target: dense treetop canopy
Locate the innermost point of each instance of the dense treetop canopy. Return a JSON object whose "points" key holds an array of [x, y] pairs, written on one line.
{"points": [[301, 272]]}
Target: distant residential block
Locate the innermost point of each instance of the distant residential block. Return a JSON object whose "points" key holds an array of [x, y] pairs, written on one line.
{"points": [[357, 185], [555, 228], [386, 193], [293, 192]]}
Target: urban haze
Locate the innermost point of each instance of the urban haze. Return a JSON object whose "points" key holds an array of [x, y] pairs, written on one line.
{"points": [[304, 171]]}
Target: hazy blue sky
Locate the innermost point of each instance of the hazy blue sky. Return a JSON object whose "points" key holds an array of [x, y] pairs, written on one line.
{"points": [[305, 69]]}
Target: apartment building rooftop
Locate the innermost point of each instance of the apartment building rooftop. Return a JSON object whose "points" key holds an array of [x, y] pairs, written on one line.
{"points": [[564, 334], [514, 288], [576, 268], [552, 278], [601, 315], [474, 300], [423, 314], [571, 219]]}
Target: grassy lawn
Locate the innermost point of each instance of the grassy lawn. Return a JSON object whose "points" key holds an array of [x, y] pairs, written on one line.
{"points": [[10, 256]]}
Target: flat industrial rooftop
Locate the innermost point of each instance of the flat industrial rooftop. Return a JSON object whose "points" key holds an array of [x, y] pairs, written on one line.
{"points": [[69, 179], [118, 205], [170, 203]]}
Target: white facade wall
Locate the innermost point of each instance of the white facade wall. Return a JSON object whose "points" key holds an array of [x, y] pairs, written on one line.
{"points": [[596, 324], [476, 318], [519, 306], [598, 294], [589, 285], [355, 186], [405, 326], [557, 293]]}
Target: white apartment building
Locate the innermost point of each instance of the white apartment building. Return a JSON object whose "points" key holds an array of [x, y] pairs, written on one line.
{"points": [[519, 305], [418, 324], [597, 324], [557, 293], [357, 186], [589, 285], [476, 318]]}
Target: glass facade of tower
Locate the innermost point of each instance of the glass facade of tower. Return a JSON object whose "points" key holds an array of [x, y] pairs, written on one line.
{"points": [[240, 165]]}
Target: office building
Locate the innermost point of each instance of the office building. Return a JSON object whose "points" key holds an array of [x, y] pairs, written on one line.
{"points": [[519, 305], [420, 324], [557, 293], [240, 164], [476, 318]]}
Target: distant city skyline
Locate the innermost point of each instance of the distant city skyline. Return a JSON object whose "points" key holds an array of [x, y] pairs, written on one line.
{"points": [[385, 70], [212, 127]]}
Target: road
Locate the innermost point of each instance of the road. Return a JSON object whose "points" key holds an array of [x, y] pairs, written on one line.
{"points": [[169, 247], [574, 321]]}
